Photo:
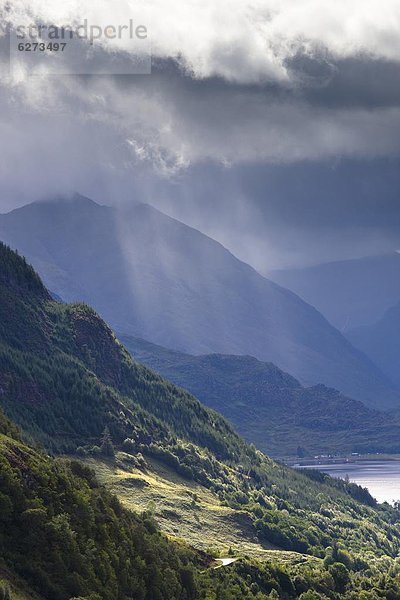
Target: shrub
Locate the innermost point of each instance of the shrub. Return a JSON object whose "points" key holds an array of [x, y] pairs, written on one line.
{"points": [[5, 592]]}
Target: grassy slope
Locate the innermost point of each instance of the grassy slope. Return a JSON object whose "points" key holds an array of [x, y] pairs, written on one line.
{"points": [[269, 407], [184, 509]]}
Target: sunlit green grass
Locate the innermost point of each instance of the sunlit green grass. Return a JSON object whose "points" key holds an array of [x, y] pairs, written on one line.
{"points": [[186, 510]]}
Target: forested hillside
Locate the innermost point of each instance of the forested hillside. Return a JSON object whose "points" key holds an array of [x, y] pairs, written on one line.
{"points": [[72, 387], [270, 407], [66, 537]]}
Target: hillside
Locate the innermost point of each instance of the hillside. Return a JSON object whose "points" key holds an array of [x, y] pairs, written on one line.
{"points": [[63, 536], [349, 293], [64, 376], [381, 342], [271, 408], [66, 536], [153, 277], [69, 384]]}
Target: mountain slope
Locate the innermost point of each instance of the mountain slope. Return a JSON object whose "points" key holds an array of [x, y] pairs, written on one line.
{"points": [[349, 293], [62, 534], [153, 277], [63, 377], [269, 407], [90, 375], [381, 342], [67, 536]]}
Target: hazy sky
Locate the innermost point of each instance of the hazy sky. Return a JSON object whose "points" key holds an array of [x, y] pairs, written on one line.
{"points": [[272, 125]]}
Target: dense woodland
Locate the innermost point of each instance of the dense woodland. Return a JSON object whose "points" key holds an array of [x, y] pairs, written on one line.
{"points": [[72, 388]]}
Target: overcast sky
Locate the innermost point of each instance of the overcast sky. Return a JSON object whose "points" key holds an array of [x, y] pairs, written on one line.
{"points": [[271, 125]]}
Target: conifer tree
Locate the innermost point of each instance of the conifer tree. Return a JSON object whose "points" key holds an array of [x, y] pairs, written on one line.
{"points": [[107, 446]]}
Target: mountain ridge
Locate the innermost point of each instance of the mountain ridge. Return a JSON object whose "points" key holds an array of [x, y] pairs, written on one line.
{"points": [[153, 277]]}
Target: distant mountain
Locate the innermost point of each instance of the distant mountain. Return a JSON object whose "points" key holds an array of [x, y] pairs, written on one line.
{"points": [[153, 277], [349, 293], [381, 341], [269, 407]]}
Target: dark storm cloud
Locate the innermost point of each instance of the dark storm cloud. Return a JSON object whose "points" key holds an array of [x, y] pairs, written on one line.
{"points": [[281, 215], [280, 137], [359, 82]]}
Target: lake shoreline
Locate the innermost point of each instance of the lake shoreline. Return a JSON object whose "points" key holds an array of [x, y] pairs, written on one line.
{"points": [[296, 462], [379, 474]]}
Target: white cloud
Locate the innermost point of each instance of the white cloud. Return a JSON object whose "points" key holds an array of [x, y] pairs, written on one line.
{"points": [[244, 41]]}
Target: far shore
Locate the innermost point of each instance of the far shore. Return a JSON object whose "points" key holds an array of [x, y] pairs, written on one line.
{"points": [[330, 459]]}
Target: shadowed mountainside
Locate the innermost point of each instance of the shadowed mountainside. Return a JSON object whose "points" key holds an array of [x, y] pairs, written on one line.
{"points": [[153, 277], [381, 342], [271, 408], [349, 293]]}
